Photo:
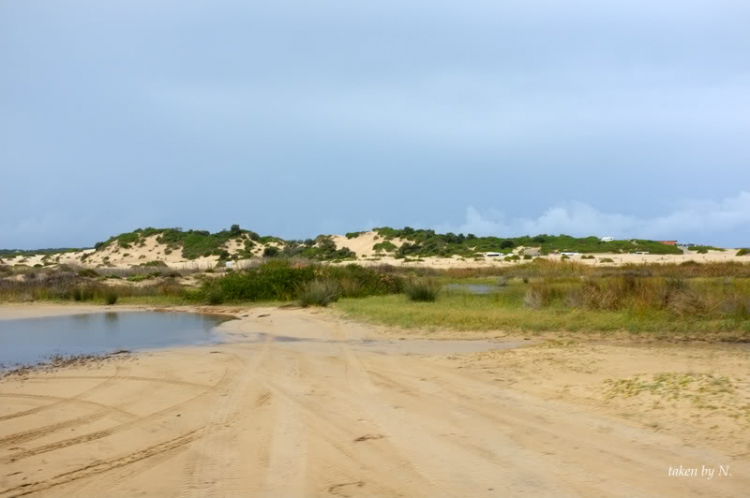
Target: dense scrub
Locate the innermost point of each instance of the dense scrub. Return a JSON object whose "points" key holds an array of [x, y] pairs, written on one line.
{"points": [[86, 285], [283, 280], [11, 253], [323, 248], [421, 243]]}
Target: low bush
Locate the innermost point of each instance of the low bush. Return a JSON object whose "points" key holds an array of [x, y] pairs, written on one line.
{"points": [[271, 252], [743, 252]]}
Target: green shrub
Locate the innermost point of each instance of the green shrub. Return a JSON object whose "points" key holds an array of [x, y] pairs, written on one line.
{"points": [[273, 280], [319, 293], [422, 289], [271, 252], [215, 297], [606, 260], [386, 246], [139, 278], [323, 249], [88, 272], [151, 264], [111, 297], [280, 280], [743, 252]]}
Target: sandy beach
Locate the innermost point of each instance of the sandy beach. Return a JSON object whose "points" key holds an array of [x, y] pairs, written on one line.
{"points": [[305, 403]]}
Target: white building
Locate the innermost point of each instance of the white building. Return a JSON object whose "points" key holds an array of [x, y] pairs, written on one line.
{"points": [[607, 239]]}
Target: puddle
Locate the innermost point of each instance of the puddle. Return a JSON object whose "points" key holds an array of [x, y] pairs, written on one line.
{"points": [[478, 289], [31, 340], [382, 346]]}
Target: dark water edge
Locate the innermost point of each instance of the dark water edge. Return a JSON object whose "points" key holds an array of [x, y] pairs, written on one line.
{"points": [[30, 341]]}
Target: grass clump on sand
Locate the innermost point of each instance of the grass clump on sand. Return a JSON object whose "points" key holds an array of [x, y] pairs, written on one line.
{"points": [[743, 252], [422, 289], [319, 293], [705, 249]]}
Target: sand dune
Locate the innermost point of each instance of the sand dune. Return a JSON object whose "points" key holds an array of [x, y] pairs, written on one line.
{"points": [[151, 250]]}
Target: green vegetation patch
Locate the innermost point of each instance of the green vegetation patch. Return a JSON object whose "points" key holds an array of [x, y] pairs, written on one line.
{"points": [[384, 246], [322, 249], [282, 280], [659, 305], [424, 243], [193, 243], [705, 249]]}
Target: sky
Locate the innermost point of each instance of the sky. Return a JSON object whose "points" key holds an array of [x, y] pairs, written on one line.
{"points": [[624, 119]]}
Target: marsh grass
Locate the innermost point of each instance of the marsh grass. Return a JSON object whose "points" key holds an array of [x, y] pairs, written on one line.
{"points": [[655, 305], [67, 284]]}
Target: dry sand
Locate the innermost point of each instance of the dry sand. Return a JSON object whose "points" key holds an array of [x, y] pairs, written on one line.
{"points": [[298, 404]]}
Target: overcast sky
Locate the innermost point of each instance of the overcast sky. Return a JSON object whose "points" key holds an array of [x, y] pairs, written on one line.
{"points": [[627, 118]]}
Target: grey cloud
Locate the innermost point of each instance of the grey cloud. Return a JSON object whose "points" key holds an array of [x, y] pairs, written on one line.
{"points": [[703, 220]]}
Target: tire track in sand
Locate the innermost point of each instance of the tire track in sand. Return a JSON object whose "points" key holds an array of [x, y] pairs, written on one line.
{"points": [[58, 401], [212, 468], [227, 377]]}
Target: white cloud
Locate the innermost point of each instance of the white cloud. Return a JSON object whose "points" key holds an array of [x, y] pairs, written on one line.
{"points": [[727, 221]]}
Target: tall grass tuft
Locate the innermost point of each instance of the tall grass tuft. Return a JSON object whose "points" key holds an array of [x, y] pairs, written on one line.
{"points": [[319, 293], [111, 298], [422, 289]]}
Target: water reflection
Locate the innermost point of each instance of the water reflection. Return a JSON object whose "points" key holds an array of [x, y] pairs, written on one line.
{"points": [[30, 340]]}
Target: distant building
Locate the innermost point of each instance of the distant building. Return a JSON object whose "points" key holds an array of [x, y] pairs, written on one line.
{"points": [[607, 239], [492, 254], [669, 242]]}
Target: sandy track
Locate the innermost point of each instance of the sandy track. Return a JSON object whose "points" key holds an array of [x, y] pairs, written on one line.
{"points": [[298, 411]]}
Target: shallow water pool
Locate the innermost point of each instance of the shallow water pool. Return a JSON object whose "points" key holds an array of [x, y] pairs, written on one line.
{"points": [[31, 340]]}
